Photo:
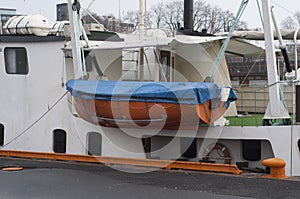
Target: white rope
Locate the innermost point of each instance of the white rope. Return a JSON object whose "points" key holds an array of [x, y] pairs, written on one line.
{"points": [[218, 60], [35, 122]]}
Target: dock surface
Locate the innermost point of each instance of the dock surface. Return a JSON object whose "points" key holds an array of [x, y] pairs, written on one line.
{"points": [[60, 179]]}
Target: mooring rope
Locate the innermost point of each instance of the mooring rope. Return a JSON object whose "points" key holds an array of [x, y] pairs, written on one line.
{"points": [[216, 64]]}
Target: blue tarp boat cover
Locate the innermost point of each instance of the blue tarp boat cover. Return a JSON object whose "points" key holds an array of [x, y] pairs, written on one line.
{"points": [[163, 92]]}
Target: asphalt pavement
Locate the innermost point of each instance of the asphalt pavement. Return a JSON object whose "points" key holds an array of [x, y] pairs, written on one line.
{"points": [[51, 179]]}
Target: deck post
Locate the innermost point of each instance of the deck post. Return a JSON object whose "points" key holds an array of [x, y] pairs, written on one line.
{"points": [[275, 108]]}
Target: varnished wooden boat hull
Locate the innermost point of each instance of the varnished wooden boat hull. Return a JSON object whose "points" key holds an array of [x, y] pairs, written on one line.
{"points": [[133, 114]]}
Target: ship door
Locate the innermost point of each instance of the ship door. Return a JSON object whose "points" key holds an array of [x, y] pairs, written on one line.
{"points": [[94, 143], [165, 60]]}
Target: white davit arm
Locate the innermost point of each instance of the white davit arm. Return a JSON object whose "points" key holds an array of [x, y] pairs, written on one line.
{"points": [[290, 73]]}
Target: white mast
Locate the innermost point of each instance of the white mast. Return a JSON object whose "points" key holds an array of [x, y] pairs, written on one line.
{"points": [[275, 108], [142, 14], [75, 38]]}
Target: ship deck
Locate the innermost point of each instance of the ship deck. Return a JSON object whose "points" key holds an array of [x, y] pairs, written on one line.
{"points": [[251, 119]]}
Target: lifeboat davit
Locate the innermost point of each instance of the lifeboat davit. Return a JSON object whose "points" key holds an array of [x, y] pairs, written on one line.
{"points": [[165, 105]]}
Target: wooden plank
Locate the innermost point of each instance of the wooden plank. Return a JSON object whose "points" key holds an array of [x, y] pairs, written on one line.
{"points": [[165, 164]]}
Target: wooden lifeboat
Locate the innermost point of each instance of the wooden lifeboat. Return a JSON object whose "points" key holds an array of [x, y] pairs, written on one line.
{"points": [[164, 105]]}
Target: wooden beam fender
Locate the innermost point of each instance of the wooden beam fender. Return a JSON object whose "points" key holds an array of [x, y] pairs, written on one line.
{"points": [[165, 164]]}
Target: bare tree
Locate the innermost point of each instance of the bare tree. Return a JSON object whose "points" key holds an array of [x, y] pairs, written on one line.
{"points": [[89, 18], [213, 19], [133, 18], [242, 25], [217, 22], [170, 15], [297, 17], [202, 15], [289, 23], [228, 20], [173, 15], [157, 13]]}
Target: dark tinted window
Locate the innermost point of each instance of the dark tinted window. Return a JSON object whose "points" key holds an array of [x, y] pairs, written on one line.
{"points": [[251, 150], [59, 141], [188, 147]]}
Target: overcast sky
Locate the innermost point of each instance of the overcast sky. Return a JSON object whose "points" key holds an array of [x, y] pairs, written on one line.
{"points": [[47, 8]]}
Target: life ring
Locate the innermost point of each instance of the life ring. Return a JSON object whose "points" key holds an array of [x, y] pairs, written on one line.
{"points": [[222, 150]]}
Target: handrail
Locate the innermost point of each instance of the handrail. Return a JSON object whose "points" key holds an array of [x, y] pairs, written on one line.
{"points": [[124, 120]]}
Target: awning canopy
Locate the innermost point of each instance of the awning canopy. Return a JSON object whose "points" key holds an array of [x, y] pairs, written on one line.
{"points": [[185, 39], [239, 47], [236, 46], [242, 48], [287, 34]]}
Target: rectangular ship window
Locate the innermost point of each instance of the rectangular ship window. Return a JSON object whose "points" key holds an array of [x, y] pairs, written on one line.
{"points": [[16, 61]]}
